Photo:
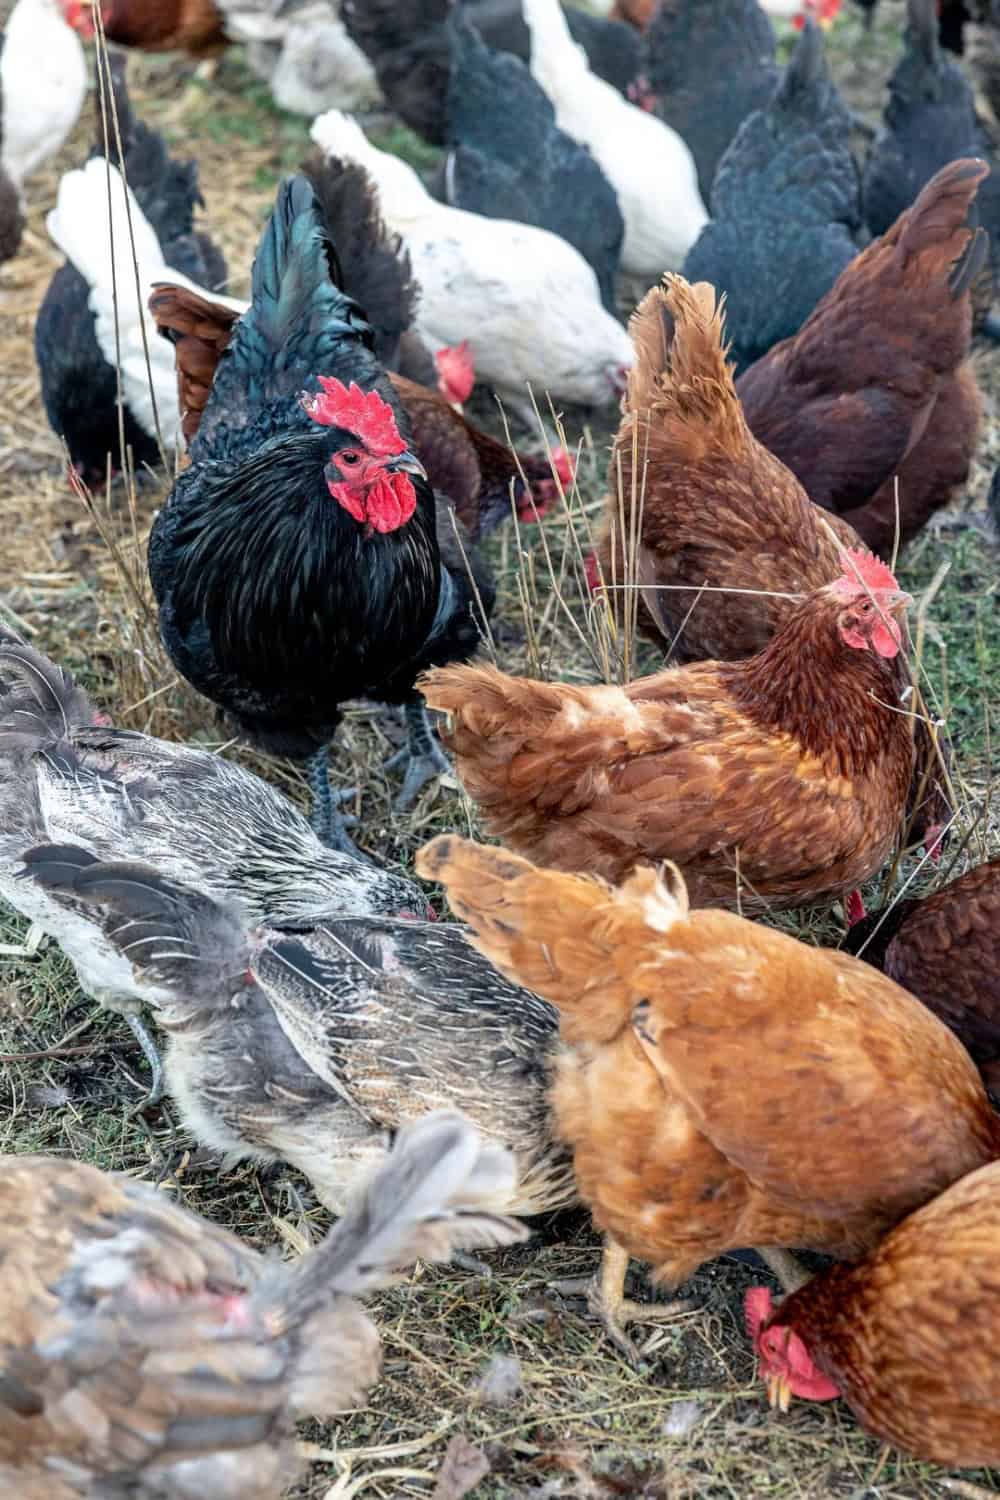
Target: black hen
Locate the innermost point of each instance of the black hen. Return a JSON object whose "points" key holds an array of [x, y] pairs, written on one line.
{"points": [[79, 386], [705, 68], [296, 562], [407, 46], [785, 208], [930, 120], [511, 161], [952, 16]]}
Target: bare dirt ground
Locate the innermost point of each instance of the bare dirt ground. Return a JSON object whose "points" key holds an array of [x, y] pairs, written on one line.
{"points": [[581, 1423]]}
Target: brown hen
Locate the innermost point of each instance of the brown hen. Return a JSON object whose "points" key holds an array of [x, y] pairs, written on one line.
{"points": [[193, 26], [945, 950], [721, 1084], [875, 385], [904, 1335], [777, 781], [146, 1352]]}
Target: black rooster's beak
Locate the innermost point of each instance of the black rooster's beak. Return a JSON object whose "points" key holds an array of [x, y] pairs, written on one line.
{"points": [[405, 463]]}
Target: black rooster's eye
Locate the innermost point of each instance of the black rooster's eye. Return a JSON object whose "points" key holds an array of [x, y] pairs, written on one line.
{"points": [[350, 458]]}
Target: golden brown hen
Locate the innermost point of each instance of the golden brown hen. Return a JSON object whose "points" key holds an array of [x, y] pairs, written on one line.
{"points": [[906, 1334], [146, 1352], [778, 781], [721, 1084], [875, 385]]}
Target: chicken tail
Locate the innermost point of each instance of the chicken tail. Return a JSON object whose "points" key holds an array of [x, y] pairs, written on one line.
{"points": [[943, 224], [399, 187], [571, 938], [189, 943], [79, 225], [681, 375], [39, 703]]}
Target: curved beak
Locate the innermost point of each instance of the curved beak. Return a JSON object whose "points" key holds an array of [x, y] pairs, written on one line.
{"points": [[405, 463], [896, 603], [779, 1392]]}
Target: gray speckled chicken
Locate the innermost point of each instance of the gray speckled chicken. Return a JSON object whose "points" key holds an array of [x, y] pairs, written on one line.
{"points": [[146, 1354], [197, 817], [311, 1043], [786, 206]]}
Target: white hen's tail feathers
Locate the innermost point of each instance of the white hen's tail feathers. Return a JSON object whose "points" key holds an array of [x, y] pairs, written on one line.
{"points": [[434, 1195], [94, 236], [401, 191]]}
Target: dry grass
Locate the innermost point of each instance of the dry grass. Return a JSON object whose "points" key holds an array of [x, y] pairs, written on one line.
{"points": [[692, 1423]]}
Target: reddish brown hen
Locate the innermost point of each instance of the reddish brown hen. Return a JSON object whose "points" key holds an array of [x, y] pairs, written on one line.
{"points": [[946, 950], [721, 1084], [875, 385], [777, 781], [192, 26], [906, 1334]]}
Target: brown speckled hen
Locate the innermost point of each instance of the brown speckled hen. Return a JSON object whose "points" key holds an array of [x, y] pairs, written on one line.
{"points": [[145, 1352], [720, 1083], [778, 781]]}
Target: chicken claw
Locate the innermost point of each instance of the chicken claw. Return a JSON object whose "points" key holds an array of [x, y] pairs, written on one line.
{"points": [[152, 1056], [607, 1302], [421, 755]]}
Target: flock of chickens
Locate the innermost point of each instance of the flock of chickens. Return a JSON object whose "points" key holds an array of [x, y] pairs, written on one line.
{"points": [[607, 1023]]}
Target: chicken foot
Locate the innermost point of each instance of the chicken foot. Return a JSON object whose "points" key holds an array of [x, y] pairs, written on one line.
{"points": [[152, 1056], [606, 1300], [422, 756], [328, 822]]}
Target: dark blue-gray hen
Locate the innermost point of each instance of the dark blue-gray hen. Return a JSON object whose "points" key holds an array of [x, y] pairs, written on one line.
{"points": [[785, 208]]}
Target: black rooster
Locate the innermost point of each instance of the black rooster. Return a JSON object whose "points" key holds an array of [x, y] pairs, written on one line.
{"points": [[296, 562], [79, 386]]}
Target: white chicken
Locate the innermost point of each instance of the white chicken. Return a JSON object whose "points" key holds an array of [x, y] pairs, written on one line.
{"points": [[647, 163], [525, 300], [79, 225], [303, 51], [43, 78]]}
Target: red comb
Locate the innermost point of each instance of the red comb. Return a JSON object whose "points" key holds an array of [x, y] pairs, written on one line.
{"points": [[456, 371], [362, 412], [757, 1308], [864, 569]]}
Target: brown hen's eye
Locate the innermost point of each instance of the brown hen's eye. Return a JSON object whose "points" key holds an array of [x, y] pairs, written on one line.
{"points": [[349, 458]]}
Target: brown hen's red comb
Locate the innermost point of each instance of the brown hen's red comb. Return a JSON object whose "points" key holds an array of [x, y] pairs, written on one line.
{"points": [[861, 567], [362, 412]]}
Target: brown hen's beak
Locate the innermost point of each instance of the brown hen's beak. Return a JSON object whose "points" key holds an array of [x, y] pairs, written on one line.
{"points": [[405, 463], [896, 603], [779, 1392]]}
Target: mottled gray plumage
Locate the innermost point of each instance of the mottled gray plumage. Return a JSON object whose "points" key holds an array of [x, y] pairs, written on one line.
{"points": [[146, 1354], [198, 817], [785, 208], [312, 1044]]}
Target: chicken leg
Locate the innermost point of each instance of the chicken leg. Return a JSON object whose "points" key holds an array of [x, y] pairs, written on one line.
{"points": [[422, 756], [328, 822], [606, 1300], [152, 1056]]}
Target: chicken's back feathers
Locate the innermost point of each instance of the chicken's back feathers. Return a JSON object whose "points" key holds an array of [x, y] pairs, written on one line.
{"points": [[513, 161], [650, 992], [870, 361], [707, 72], [785, 208], [200, 330], [903, 1333]]}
